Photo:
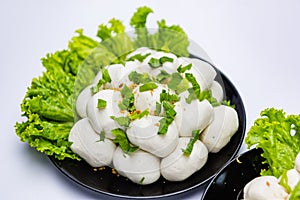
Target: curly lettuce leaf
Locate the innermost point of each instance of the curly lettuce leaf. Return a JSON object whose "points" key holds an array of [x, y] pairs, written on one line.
{"points": [[48, 105], [278, 135]]}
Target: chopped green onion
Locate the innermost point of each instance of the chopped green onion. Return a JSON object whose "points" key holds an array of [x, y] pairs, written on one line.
{"points": [[102, 137], [163, 76], [189, 148], [168, 119], [105, 79], [138, 115], [101, 104], [176, 78], [138, 57], [128, 99], [164, 59], [142, 180], [172, 98], [138, 78], [154, 63], [122, 140], [148, 86], [182, 69], [122, 121]]}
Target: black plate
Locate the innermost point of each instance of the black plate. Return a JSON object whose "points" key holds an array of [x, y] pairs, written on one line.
{"points": [[106, 182], [231, 180]]}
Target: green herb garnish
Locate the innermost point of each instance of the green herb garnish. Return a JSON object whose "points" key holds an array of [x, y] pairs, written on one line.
{"points": [[155, 62], [172, 98], [122, 121], [176, 78], [138, 57], [102, 136], [122, 140], [142, 180], [138, 115], [189, 148], [128, 99], [101, 104], [163, 76], [148, 86], [138, 78], [168, 119], [182, 69], [105, 79]]}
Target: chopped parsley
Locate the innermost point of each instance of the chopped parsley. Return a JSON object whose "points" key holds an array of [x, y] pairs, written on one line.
{"points": [[138, 78], [189, 148], [138, 57], [101, 104], [148, 86], [122, 140]]}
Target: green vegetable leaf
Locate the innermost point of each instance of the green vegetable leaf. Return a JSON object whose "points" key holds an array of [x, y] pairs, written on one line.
{"points": [[164, 59], [122, 140], [163, 76], [102, 136], [172, 98], [154, 63], [158, 108], [128, 99], [148, 86], [176, 79], [138, 78], [168, 119], [189, 148], [138, 57], [105, 79], [101, 104], [138, 115], [284, 182], [182, 69], [295, 195], [138, 22], [142, 180], [122, 121], [278, 135]]}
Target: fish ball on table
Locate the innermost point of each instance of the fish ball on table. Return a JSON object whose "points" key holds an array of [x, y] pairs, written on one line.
{"points": [[100, 118], [82, 101], [177, 166], [143, 133], [192, 116], [222, 128], [264, 187], [86, 143], [140, 167], [217, 91]]}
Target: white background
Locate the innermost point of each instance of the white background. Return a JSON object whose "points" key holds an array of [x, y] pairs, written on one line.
{"points": [[254, 42]]}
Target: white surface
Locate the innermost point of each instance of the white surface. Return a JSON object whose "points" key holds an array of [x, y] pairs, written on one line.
{"points": [[255, 43]]}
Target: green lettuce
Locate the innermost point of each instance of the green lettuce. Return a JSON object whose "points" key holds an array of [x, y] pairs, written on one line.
{"points": [[48, 106], [278, 135]]}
